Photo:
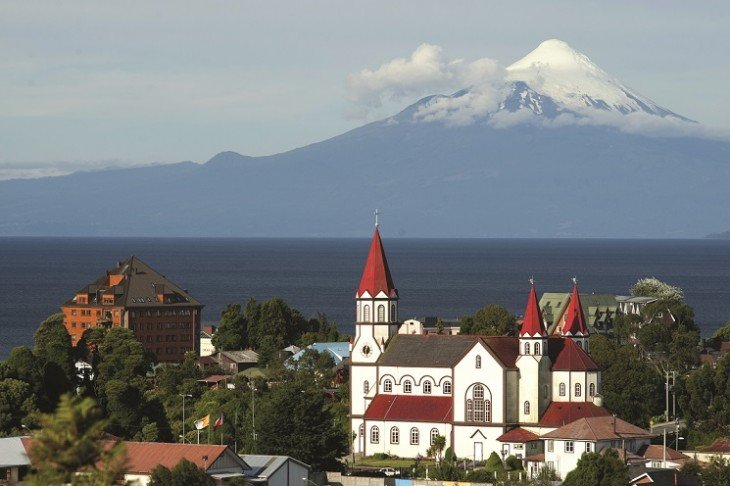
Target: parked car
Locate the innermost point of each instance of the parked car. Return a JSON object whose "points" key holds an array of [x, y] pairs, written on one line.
{"points": [[390, 472]]}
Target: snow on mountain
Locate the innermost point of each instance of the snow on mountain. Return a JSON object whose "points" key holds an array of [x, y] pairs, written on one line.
{"points": [[552, 80], [574, 82]]}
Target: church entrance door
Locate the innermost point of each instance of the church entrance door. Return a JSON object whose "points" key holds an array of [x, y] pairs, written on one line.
{"points": [[478, 451]]}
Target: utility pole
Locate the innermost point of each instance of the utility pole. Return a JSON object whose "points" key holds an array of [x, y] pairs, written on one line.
{"points": [[253, 416], [666, 390], [674, 394], [664, 449]]}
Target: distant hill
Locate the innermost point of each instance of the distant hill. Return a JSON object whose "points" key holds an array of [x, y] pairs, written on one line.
{"points": [[568, 151]]}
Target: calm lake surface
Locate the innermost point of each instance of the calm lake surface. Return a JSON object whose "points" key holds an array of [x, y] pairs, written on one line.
{"points": [[447, 278]]}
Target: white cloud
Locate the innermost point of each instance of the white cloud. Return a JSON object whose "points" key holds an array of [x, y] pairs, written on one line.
{"points": [[426, 72]]}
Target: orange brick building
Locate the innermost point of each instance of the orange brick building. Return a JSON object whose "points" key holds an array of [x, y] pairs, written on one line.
{"points": [[164, 317]]}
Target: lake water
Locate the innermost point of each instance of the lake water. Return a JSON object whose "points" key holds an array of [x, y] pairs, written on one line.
{"points": [[447, 278]]}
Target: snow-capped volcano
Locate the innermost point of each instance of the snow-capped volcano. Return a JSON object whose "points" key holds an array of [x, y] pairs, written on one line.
{"points": [[552, 80], [573, 82]]}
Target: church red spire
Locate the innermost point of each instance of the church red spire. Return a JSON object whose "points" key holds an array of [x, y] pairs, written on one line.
{"points": [[533, 325], [575, 322], [376, 275]]}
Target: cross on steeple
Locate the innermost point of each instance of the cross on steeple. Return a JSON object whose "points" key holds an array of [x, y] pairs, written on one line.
{"points": [[377, 213]]}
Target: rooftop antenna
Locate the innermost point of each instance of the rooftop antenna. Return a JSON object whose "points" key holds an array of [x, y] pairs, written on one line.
{"points": [[575, 280], [377, 213]]}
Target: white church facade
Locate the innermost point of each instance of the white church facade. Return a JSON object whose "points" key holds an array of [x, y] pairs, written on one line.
{"points": [[482, 393]]}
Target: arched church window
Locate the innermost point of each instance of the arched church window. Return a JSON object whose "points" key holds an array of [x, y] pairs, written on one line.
{"points": [[388, 385], [477, 408], [381, 313], [562, 389], [447, 388], [526, 408], [577, 389], [366, 313], [394, 435], [478, 361], [414, 436], [434, 434], [580, 344], [407, 386], [362, 430], [537, 348], [374, 434], [527, 348], [427, 387], [393, 317], [592, 389], [366, 387]]}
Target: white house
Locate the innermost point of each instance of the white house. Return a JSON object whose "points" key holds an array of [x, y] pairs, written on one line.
{"points": [[14, 460], [565, 445], [408, 388]]}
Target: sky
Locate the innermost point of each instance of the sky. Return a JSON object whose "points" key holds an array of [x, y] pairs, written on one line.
{"points": [[101, 83]]}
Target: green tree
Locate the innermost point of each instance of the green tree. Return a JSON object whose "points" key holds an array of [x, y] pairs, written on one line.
{"points": [[320, 329], [494, 464], [232, 332], [23, 365], [717, 473], [722, 334], [55, 356], [631, 387], [492, 320], [70, 441], [184, 473], [604, 469], [437, 447], [122, 388], [295, 418], [653, 287], [17, 401]]}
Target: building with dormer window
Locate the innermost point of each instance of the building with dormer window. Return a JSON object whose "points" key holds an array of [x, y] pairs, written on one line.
{"points": [[164, 317]]}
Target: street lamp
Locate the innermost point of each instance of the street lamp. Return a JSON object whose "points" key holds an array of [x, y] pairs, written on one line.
{"points": [[253, 413], [183, 395]]}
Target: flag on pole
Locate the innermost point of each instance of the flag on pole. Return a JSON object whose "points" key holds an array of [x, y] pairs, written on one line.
{"points": [[218, 421], [202, 423]]}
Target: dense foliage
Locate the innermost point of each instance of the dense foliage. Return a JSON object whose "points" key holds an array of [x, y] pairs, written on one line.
{"points": [[70, 442], [270, 326], [491, 320], [599, 469], [183, 473]]}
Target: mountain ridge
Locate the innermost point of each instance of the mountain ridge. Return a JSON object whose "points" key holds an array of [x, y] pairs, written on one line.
{"points": [[500, 174]]}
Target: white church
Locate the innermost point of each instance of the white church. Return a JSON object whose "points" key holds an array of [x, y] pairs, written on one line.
{"points": [[511, 395]]}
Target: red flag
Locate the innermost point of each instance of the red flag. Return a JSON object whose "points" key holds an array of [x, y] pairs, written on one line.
{"points": [[218, 421]]}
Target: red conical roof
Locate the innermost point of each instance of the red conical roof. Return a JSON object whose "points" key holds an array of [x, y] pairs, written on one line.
{"points": [[376, 275], [575, 322], [533, 325]]}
